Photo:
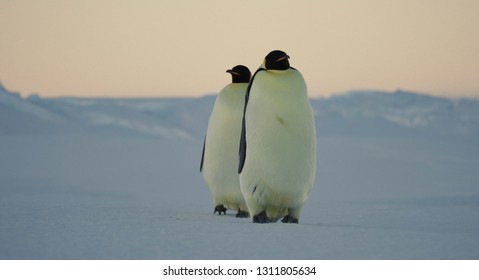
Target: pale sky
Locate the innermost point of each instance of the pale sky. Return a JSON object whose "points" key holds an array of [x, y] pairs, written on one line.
{"points": [[156, 48]]}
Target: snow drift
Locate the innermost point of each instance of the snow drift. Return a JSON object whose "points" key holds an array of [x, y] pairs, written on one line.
{"points": [[119, 179]]}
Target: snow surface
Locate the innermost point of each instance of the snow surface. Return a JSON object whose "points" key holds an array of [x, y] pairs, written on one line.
{"points": [[119, 179]]}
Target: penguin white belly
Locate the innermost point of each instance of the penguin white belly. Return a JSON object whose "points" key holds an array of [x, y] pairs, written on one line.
{"points": [[280, 163], [221, 148]]}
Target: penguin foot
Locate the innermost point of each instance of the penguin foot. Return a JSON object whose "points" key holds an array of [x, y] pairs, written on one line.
{"points": [[289, 220], [242, 214], [261, 218], [220, 209]]}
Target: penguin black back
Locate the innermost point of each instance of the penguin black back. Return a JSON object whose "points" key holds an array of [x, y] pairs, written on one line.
{"points": [[240, 74]]}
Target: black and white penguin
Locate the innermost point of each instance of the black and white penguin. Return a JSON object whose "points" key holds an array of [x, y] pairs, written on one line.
{"points": [[219, 162], [278, 142]]}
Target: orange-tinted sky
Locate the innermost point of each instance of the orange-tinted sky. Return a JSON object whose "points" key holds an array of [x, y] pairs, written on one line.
{"points": [[183, 48]]}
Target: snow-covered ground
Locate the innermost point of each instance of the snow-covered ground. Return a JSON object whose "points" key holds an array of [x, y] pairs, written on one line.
{"points": [[397, 178]]}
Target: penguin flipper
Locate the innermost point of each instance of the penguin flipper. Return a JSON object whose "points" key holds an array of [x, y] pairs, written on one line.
{"points": [[242, 148], [203, 155]]}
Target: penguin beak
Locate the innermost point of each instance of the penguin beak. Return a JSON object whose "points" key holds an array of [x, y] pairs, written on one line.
{"points": [[283, 58], [232, 72]]}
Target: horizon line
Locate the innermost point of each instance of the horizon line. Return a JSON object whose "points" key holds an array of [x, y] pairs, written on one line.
{"points": [[473, 96]]}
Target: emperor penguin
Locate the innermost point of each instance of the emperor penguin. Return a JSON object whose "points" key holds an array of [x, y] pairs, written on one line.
{"points": [[277, 164], [219, 161]]}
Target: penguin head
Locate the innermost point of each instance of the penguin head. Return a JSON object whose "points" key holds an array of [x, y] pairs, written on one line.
{"points": [[276, 60], [240, 74]]}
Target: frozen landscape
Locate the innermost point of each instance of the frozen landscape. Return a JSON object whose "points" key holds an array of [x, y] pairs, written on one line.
{"points": [[397, 178]]}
